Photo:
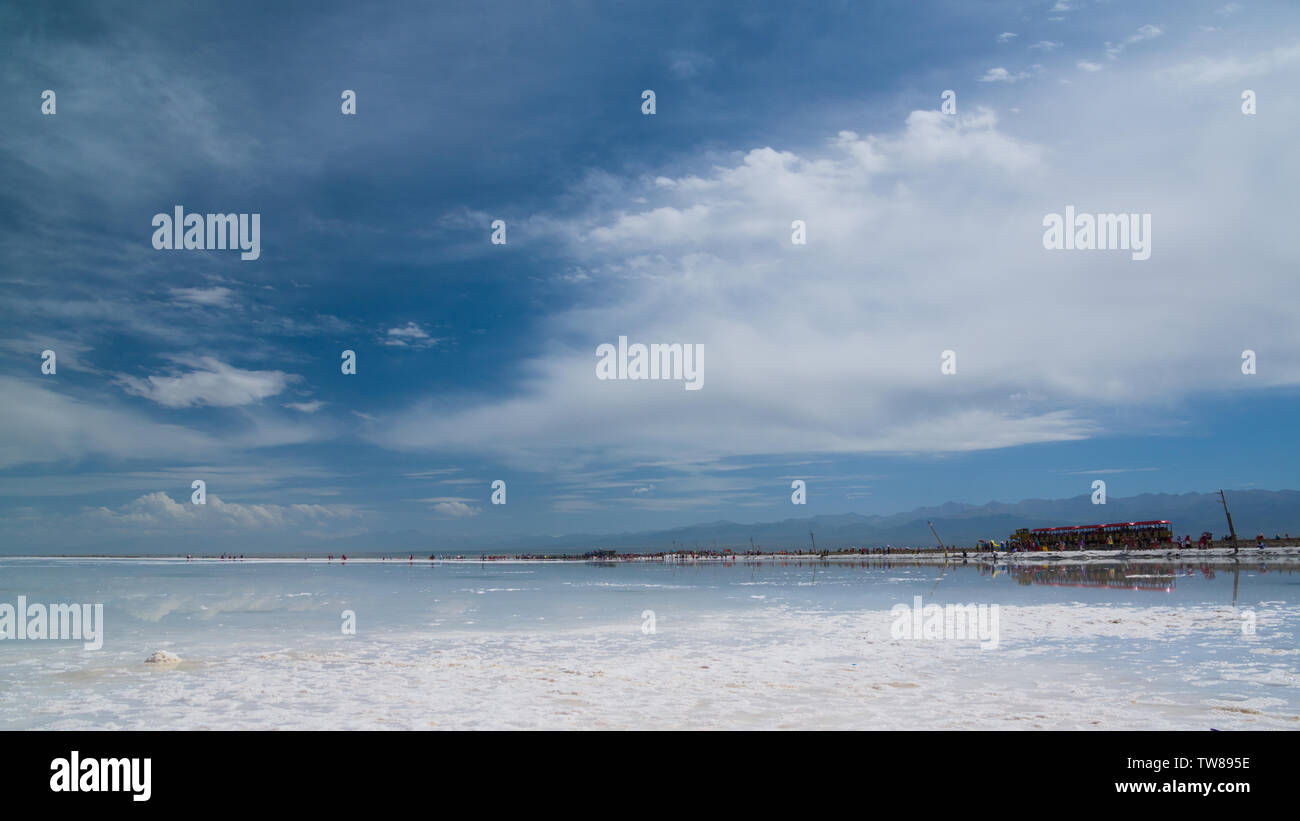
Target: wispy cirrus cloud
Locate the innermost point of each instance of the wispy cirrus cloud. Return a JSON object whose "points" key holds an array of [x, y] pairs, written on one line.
{"points": [[1207, 70], [215, 297], [1146, 32]]}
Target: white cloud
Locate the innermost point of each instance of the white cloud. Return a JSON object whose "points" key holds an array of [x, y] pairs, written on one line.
{"points": [[1209, 70], [216, 297], [410, 335], [159, 509], [1047, 45], [1105, 471], [921, 238], [68, 353], [686, 64], [996, 75], [1001, 75], [1084, 65], [212, 383], [1007, 36], [306, 407], [47, 425], [1147, 32], [456, 509]]}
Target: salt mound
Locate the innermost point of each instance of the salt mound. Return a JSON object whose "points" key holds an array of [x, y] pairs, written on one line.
{"points": [[163, 657]]}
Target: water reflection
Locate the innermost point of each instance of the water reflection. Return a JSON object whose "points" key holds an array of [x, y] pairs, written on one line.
{"points": [[1118, 577]]}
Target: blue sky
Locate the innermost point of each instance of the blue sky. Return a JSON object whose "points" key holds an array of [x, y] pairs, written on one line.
{"points": [[476, 361]]}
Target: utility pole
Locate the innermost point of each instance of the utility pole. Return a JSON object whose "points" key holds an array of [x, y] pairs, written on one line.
{"points": [[1232, 531]]}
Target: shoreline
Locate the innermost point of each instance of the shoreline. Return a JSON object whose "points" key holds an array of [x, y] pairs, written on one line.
{"points": [[1217, 555]]}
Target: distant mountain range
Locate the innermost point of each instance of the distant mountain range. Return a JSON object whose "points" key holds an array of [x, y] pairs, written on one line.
{"points": [[1253, 511]]}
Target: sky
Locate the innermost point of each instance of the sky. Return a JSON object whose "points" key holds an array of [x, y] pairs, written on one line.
{"points": [[476, 361]]}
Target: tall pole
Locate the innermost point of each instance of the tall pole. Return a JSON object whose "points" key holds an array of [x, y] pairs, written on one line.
{"points": [[936, 535], [1231, 530], [814, 564]]}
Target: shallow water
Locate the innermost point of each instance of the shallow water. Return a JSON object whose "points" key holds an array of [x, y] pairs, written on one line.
{"points": [[736, 644]]}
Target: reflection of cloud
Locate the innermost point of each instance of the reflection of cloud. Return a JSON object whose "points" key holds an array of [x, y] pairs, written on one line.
{"points": [[155, 607]]}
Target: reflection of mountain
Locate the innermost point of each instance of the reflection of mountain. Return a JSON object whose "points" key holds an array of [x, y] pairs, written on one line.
{"points": [[1121, 577]]}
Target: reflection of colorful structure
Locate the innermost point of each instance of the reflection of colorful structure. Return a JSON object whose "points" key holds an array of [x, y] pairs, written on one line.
{"points": [[1159, 578], [1117, 535]]}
